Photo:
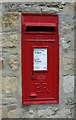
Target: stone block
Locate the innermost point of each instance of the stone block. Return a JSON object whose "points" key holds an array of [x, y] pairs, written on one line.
{"points": [[13, 113], [23, 7], [70, 101], [68, 42], [65, 44], [31, 114], [10, 20], [10, 85], [10, 39], [63, 113], [34, 8], [4, 111], [50, 9], [47, 112], [11, 106], [68, 84], [13, 62], [7, 101], [68, 65]]}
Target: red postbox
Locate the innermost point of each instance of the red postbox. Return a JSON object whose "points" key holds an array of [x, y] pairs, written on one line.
{"points": [[40, 59]]}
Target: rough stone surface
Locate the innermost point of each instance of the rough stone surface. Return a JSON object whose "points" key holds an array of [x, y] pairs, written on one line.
{"points": [[10, 39], [70, 101], [50, 10], [4, 111], [10, 84], [13, 113], [13, 62], [63, 113], [10, 44], [65, 44], [33, 7], [68, 65], [31, 114], [10, 20], [7, 101], [68, 84], [47, 112]]}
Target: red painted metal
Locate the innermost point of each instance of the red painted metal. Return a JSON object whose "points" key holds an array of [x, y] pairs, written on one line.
{"points": [[40, 86]]}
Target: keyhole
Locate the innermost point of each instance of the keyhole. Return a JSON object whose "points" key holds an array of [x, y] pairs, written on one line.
{"points": [[32, 73]]}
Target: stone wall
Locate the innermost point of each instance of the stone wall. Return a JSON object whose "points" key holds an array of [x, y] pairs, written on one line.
{"points": [[1, 61], [11, 61]]}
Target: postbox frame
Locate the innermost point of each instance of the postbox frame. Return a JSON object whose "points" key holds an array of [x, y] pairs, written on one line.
{"points": [[56, 43]]}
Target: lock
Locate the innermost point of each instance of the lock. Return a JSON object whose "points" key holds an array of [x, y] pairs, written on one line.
{"points": [[33, 76]]}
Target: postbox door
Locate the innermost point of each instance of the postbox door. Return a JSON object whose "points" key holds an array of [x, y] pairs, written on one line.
{"points": [[39, 83]]}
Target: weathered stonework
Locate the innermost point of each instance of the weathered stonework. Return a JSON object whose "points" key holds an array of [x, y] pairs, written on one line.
{"points": [[1, 61], [68, 65], [11, 61], [13, 113], [68, 84], [10, 85], [10, 20], [7, 101], [10, 39]]}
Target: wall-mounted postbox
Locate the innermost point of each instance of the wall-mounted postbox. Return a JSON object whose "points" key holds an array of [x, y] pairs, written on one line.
{"points": [[40, 58]]}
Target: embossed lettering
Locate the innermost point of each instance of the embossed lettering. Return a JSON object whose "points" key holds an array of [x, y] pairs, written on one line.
{"points": [[45, 89], [38, 87], [41, 87]]}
